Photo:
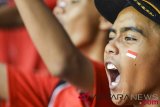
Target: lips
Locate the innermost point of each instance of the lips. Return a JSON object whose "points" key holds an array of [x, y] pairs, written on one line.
{"points": [[113, 75]]}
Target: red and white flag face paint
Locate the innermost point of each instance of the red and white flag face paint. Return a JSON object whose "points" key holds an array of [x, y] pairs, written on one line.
{"points": [[131, 54]]}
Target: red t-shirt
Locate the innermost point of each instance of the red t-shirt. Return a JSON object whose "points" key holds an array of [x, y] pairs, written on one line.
{"points": [[29, 89], [16, 48], [65, 95], [101, 87], [36, 90]]}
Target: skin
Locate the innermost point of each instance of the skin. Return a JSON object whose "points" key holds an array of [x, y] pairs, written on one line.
{"points": [[61, 56], [78, 21], [3, 82], [85, 32], [140, 75], [63, 59]]}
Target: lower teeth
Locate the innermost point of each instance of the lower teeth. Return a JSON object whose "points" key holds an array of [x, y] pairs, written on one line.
{"points": [[114, 83], [117, 79]]}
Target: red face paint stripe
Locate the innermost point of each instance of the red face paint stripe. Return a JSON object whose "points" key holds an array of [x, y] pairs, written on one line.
{"points": [[131, 52]]}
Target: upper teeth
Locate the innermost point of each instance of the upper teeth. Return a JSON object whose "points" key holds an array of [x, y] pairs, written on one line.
{"points": [[111, 66]]}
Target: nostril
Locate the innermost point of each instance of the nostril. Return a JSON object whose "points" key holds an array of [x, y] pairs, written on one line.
{"points": [[112, 49], [58, 11]]}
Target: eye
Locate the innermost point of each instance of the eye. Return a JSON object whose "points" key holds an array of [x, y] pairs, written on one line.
{"points": [[128, 38], [111, 37]]}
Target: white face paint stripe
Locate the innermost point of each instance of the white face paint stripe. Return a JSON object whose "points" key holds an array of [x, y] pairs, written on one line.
{"points": [[131, 54]]}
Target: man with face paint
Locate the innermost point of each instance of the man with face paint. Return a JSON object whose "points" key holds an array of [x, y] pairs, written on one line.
{"points": [[132, 57]]}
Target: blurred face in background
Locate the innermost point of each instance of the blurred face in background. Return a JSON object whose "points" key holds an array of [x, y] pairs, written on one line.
{"points": [[80, 19]]}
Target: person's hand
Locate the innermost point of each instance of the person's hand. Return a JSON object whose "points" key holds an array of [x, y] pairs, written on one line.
{"points": [[3, 82]]}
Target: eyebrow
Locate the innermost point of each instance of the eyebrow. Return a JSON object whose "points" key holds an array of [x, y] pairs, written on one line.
{"points": [[134, 29], [125, 29], [111, 30]]}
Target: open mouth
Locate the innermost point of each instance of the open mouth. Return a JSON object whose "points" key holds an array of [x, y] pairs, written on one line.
{"points": [[114, 75]]}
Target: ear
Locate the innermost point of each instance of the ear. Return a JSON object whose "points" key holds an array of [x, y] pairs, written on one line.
{"points": [[104, 24]]}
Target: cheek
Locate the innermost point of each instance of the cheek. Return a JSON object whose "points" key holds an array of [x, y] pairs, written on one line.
{"points": [[105, 53], [74, 13], [145, 75], [73, 21], [137, 81], [135, 74]]}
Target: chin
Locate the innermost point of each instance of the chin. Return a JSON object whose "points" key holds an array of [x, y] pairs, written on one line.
{"points": [[122, 102], [119, 102], [119, 98]]}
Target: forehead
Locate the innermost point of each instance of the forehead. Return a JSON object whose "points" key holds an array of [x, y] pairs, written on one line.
{"points": [[131, 17], [70, 3], [62, 0], [68, 0]]}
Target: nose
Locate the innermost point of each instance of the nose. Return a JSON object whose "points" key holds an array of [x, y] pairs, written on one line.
{"points": [[111, 48], [60, 7], [58, 10]]}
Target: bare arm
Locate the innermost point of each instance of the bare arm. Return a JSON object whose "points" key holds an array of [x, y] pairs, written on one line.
{"points": [[9, 17], [3, 82], [60, 55]]}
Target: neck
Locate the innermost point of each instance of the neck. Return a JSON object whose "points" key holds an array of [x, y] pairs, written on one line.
{"points": [[95, 50]]}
